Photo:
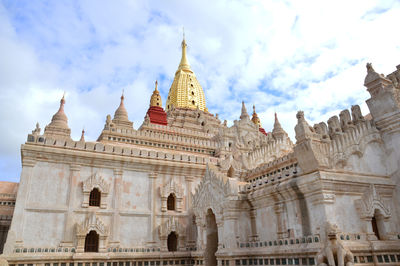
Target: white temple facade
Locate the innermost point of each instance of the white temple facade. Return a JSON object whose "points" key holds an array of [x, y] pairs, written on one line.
{"points": [[186, 189]]}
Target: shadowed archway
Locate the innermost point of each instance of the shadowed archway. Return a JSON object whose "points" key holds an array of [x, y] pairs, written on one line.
{"points": [[212, 239]]}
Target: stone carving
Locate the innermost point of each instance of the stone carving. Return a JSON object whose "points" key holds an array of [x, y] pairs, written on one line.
{"points": [[109, 123], [334, 253], [334, 126], [356, 114], [370, 201], [171, 188], [322, 129], [212, 193], [95, 181], [92, 223], [303, 129], [36, 131], [345, 120], [171, 225]]}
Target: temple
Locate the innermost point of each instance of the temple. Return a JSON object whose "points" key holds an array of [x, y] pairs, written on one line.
{"points": [[184, 188]]}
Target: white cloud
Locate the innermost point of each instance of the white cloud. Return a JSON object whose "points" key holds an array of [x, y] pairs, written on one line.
{"points": [[281, 56]]}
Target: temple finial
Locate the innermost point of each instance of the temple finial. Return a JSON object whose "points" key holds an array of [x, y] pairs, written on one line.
{"points": [[244, 113], [256, 120], [155, 99], [183, 30], [83, 135], [184, 64]]}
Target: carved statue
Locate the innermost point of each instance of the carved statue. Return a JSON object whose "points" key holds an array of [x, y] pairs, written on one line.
{"points": [[108, 122], [36, 131], [302, 129], [334, 126], [370, 68], [356, 114], [322, 129], [334, 253], [345, 120]]}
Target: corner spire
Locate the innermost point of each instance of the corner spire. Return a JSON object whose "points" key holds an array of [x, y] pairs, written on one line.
{"points": [[83, 136], [278, 131], [59, 123], [121, 115], [244, 113]]}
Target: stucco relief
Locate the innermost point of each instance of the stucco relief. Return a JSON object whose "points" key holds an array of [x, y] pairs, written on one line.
{"points": [[371, 201], [212, 193], [95, 181], [171, 188]]}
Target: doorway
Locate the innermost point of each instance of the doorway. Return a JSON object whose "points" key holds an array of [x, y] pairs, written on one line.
{"points": [[212, 239]]}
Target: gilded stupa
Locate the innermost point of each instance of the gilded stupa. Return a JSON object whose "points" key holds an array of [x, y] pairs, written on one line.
{"points": [[185, 91]]}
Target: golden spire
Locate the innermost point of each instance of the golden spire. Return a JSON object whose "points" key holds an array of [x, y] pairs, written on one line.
{"points": [[255, 118], [185, 91], [184, 64], [155, 99]]}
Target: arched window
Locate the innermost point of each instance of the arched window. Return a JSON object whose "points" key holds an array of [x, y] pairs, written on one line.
{"points": [[92, 242], [171, 202], [94, 198], [172, 242]]}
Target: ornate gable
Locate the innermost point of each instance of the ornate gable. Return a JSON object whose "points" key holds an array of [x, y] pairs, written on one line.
{"points": [[213, 192], [92, 223], [370, 201], [96, 181], [171, 188]]}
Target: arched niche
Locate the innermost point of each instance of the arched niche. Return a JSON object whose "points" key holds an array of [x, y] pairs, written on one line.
{"points": [[95, 181], [91, 225]]}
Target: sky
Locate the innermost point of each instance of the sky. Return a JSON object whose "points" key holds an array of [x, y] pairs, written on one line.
{"points": [[281, 56]]}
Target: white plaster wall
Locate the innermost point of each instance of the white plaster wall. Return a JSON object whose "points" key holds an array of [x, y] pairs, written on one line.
{"points": [[43, 229], [266, 223], [243, 226], [49, 185], [344, 214], [135, 191], [373, 160], [134, 230]]}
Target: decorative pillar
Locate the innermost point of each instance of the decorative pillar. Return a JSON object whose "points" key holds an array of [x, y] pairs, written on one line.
{"points": [[253, 222], [229, 232], [152, 227], [200, 233], [17, 226], [189, 180], [220, 227], [116, 205], [69, 219], [281, 230]]}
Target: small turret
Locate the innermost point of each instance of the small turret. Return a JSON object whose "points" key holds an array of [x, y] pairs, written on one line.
{"points": [[256, 120], [121, 115], [156, 114], [58, 126], [278, 131], [155, 99], [244, 114], [82, 136]]}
